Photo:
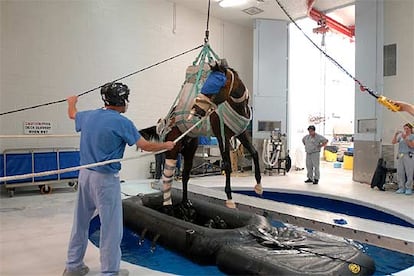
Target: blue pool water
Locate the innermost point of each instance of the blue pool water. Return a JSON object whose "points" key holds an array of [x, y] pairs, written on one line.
{"points": [[164, 260], [331, 205]]}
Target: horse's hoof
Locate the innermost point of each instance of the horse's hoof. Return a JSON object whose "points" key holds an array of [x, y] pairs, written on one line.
{"points": [[230, 204], [258, 189]]}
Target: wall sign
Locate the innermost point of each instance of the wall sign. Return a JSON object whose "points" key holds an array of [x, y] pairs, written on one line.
{"points": [[37, 127]]}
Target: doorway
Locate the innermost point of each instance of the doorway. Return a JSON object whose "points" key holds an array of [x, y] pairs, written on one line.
{"points": [[320, 93]]}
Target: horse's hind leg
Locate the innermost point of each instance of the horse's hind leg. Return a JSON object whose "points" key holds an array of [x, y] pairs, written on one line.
{"points": [[225, 154], [247, 143], [188, 153]]}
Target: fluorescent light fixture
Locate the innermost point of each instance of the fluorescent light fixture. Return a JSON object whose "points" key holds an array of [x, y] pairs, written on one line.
{"points": [[253, 10], [231, 3]]}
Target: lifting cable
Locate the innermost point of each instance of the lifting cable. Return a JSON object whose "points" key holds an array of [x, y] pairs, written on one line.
{"points": [[93, 89], [208, 21], [381, 99]]}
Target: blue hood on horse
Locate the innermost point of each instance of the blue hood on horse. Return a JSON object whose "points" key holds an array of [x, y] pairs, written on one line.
{"points": [[214, 82]]}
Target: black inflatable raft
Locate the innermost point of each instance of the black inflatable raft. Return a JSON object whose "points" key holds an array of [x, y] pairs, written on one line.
{"points": [[249, 244]]}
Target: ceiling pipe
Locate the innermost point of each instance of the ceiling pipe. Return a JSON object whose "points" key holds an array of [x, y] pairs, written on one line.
{"points": [[325, 22]]}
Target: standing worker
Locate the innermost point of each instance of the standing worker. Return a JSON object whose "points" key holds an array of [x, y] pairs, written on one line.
{"points": [[104, 135], [313, 143], [405, 164]]}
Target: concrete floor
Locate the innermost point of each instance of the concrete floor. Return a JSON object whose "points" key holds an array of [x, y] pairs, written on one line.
{"points": [[35, 228]]}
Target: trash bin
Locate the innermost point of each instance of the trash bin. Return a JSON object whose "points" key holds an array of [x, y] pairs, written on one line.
{"points": [[330, 153], [348, 160], [329, 156]]}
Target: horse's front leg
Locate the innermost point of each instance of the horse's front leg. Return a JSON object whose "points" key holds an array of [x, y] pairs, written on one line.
{"points": [[247, 144], [167, 179], [168, 172], [227, 170]]}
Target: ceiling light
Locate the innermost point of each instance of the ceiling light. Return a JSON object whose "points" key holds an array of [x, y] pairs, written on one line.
{"points": [[253, 10], [231, 3]]}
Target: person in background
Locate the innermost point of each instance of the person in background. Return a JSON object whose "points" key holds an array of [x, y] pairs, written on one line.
{"points": [[405, 163], [104, 134], [313, 143]]}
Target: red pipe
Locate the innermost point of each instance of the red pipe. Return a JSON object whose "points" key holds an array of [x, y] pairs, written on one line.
{"points": [[331, 23]]}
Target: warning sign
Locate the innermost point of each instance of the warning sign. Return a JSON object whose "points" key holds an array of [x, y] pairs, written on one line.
{"points": [[36, 127]]}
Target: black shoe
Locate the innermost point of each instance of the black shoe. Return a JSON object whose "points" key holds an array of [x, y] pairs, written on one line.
{"points": [[316, 181], [308, 180]]}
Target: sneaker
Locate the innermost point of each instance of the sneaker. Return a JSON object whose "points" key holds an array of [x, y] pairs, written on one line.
{"points": [[308, 180], [316, 181], [400, 191], [409, 192], [83, 270], [123, 272]]}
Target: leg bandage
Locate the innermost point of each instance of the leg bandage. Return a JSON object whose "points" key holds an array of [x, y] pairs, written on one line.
{"points": [[167, 179]]}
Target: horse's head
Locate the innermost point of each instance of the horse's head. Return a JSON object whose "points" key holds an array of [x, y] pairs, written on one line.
{"points": [[233, 90], [219, 65]]}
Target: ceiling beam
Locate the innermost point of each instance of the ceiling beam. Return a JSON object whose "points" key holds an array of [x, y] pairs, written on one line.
{"points": [[325, 22]]}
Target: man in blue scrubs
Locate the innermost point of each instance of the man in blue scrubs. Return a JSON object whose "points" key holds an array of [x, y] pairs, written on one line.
{"points": [[104, 135]]}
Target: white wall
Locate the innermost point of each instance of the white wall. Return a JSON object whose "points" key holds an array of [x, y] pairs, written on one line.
{"points": [[53, 49], [382, 23], [399, 30], [270, 74]]}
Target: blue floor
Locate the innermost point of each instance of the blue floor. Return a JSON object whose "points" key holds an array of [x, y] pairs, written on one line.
{"points": [[331, 205]]}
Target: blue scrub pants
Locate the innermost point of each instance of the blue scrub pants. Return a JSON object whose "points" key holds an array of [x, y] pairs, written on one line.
{"points": [[102, 192], [405, 171]]}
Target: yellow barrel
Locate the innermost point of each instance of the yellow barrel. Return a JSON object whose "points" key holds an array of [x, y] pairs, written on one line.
{"points": [[348, 161], [329, 156]]}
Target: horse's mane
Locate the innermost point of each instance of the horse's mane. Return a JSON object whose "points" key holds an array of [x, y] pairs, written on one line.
{"points": [[234, 71], [150, 133]]}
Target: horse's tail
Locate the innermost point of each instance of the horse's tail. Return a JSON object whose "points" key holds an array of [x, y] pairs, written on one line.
{"points": [[150, 133]]}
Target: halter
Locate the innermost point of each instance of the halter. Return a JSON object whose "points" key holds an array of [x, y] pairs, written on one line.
{"points": [[232, 81], [245, 95]]}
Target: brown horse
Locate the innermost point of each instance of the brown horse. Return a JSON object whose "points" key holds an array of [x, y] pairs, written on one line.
{"points": [[229, 115]]}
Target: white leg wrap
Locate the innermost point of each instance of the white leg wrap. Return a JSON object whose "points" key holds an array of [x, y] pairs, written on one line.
{"points": [[167, 179]]}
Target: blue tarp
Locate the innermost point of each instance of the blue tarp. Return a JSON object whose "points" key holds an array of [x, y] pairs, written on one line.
{"points": [[204, 140], [21, 163]]}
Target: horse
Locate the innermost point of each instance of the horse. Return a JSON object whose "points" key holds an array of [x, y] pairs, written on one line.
{"points": [[232, 99]]}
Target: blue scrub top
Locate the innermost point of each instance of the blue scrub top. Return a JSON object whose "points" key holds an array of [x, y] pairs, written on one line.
{"points": [[104, 135]]}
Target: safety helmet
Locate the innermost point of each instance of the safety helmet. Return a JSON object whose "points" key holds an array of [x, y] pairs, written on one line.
{"points": [[115, 94]]}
